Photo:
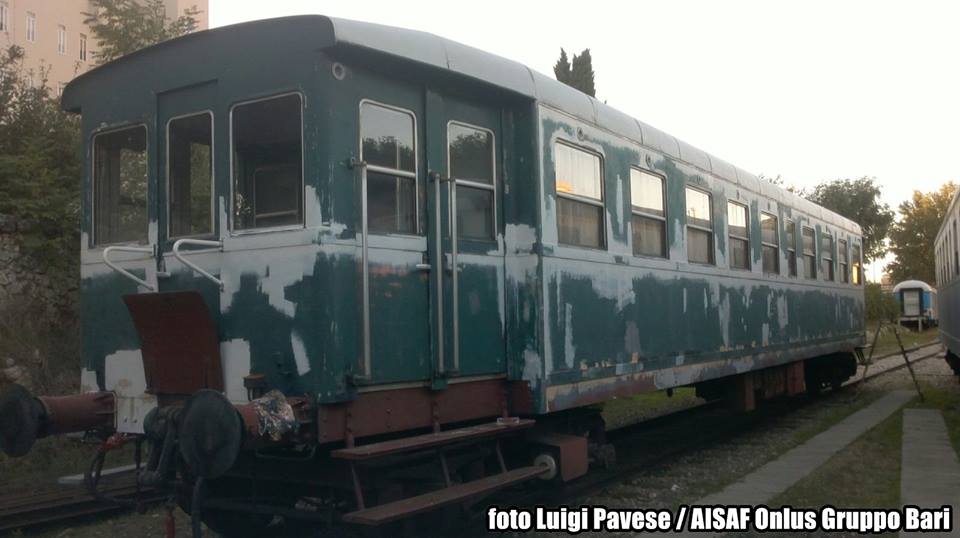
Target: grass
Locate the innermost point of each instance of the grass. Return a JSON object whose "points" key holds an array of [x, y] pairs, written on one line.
{"points": [[623, 411], [865, 473], [50, 459], [887, 341], [948, 402]]}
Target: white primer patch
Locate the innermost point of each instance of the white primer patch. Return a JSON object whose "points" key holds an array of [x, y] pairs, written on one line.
{"points": [[235, 359], [299, 353], [124, 376], [532, 366], [88, 381]]}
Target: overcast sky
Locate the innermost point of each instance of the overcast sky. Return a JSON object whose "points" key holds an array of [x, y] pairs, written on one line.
{"points": [[808, 90]]}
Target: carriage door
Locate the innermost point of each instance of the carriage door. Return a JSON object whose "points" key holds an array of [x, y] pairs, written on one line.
{"points": [[465, 192], [186, 192]]}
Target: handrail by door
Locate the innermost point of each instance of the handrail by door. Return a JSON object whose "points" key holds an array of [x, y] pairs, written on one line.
{"points": [[121, 270], [200, 243]]}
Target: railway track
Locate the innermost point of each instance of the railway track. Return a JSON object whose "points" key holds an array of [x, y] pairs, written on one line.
{"points": [[65, 503]]}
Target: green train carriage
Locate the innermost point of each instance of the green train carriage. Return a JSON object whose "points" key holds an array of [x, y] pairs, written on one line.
{"points": [[400, 234]]}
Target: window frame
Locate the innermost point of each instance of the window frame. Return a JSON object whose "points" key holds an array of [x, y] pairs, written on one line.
{"points": [[826, 255], [843, 260], [93, 241], [31, 30], [803, 250], [415, 175], [82, 48], [713, 225], [465, 182], [4, 17], [231, 219], [213, 175], [745, 237], [601, 203], [776, 246], [639, 212], [61, 39], [857, 263], [792, 270]]}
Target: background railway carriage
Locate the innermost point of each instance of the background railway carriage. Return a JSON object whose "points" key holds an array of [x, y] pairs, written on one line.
{"points": [[402, 234], [918, 303], [947, 261]]}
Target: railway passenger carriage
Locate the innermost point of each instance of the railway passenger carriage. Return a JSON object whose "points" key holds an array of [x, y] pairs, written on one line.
{"points": [[947, 264], [403, 234]]}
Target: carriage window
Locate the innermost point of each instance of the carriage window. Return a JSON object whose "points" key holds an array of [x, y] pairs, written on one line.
{"points": [[770, 239], [579, 197], [791, 232], [857, 267], [120, 186], [268, 163], [472, 167], [809, 253], [826, 256], [190, 175], [843, 257], [388, 146], [699, 227], [649, 218], [738, 227]]}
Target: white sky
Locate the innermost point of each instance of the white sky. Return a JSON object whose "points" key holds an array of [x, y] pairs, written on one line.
{"points": [[808, 90]]}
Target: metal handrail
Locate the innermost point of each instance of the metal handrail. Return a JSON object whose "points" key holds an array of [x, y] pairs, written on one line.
{"points": [[124, 272], [195, 267]]}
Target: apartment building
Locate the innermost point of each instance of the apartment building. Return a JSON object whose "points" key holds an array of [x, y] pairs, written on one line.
{"points": [[54, 37]]}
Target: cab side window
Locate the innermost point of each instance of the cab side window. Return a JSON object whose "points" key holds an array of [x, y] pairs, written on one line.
{"points": [[388, 144]]}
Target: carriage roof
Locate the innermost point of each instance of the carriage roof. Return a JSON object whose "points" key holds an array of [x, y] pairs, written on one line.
{"points": [[318, 32]]}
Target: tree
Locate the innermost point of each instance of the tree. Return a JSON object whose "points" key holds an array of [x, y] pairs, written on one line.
{"points": [[40, 162], [124, 26], [859, 201], [912, 237], [562, 68], [577, 73]]}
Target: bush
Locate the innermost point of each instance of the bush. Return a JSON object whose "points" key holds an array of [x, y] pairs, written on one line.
{"points": [[880, 305]]}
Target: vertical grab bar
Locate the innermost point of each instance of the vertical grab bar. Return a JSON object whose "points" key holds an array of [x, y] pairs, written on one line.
{"points": [[201, 243], [124, 272]]}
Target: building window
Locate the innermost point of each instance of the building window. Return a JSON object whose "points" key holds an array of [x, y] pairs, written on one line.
{"points": [[790, 229], [579, 187], [809, 253], [60, 87], [699, 227], [31, 27], [268, 163], [826, 256], [770, 239], [62, 39], [738, 230], [388, 144], [857, 267], [473, 167], [190, 175], [649, 215], [4, 17], [83, 48], [120, 186]]}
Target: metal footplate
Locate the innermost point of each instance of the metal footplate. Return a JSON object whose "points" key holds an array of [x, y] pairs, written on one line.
{"points": [[439, 442], [385, 513], [431, 440]]}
